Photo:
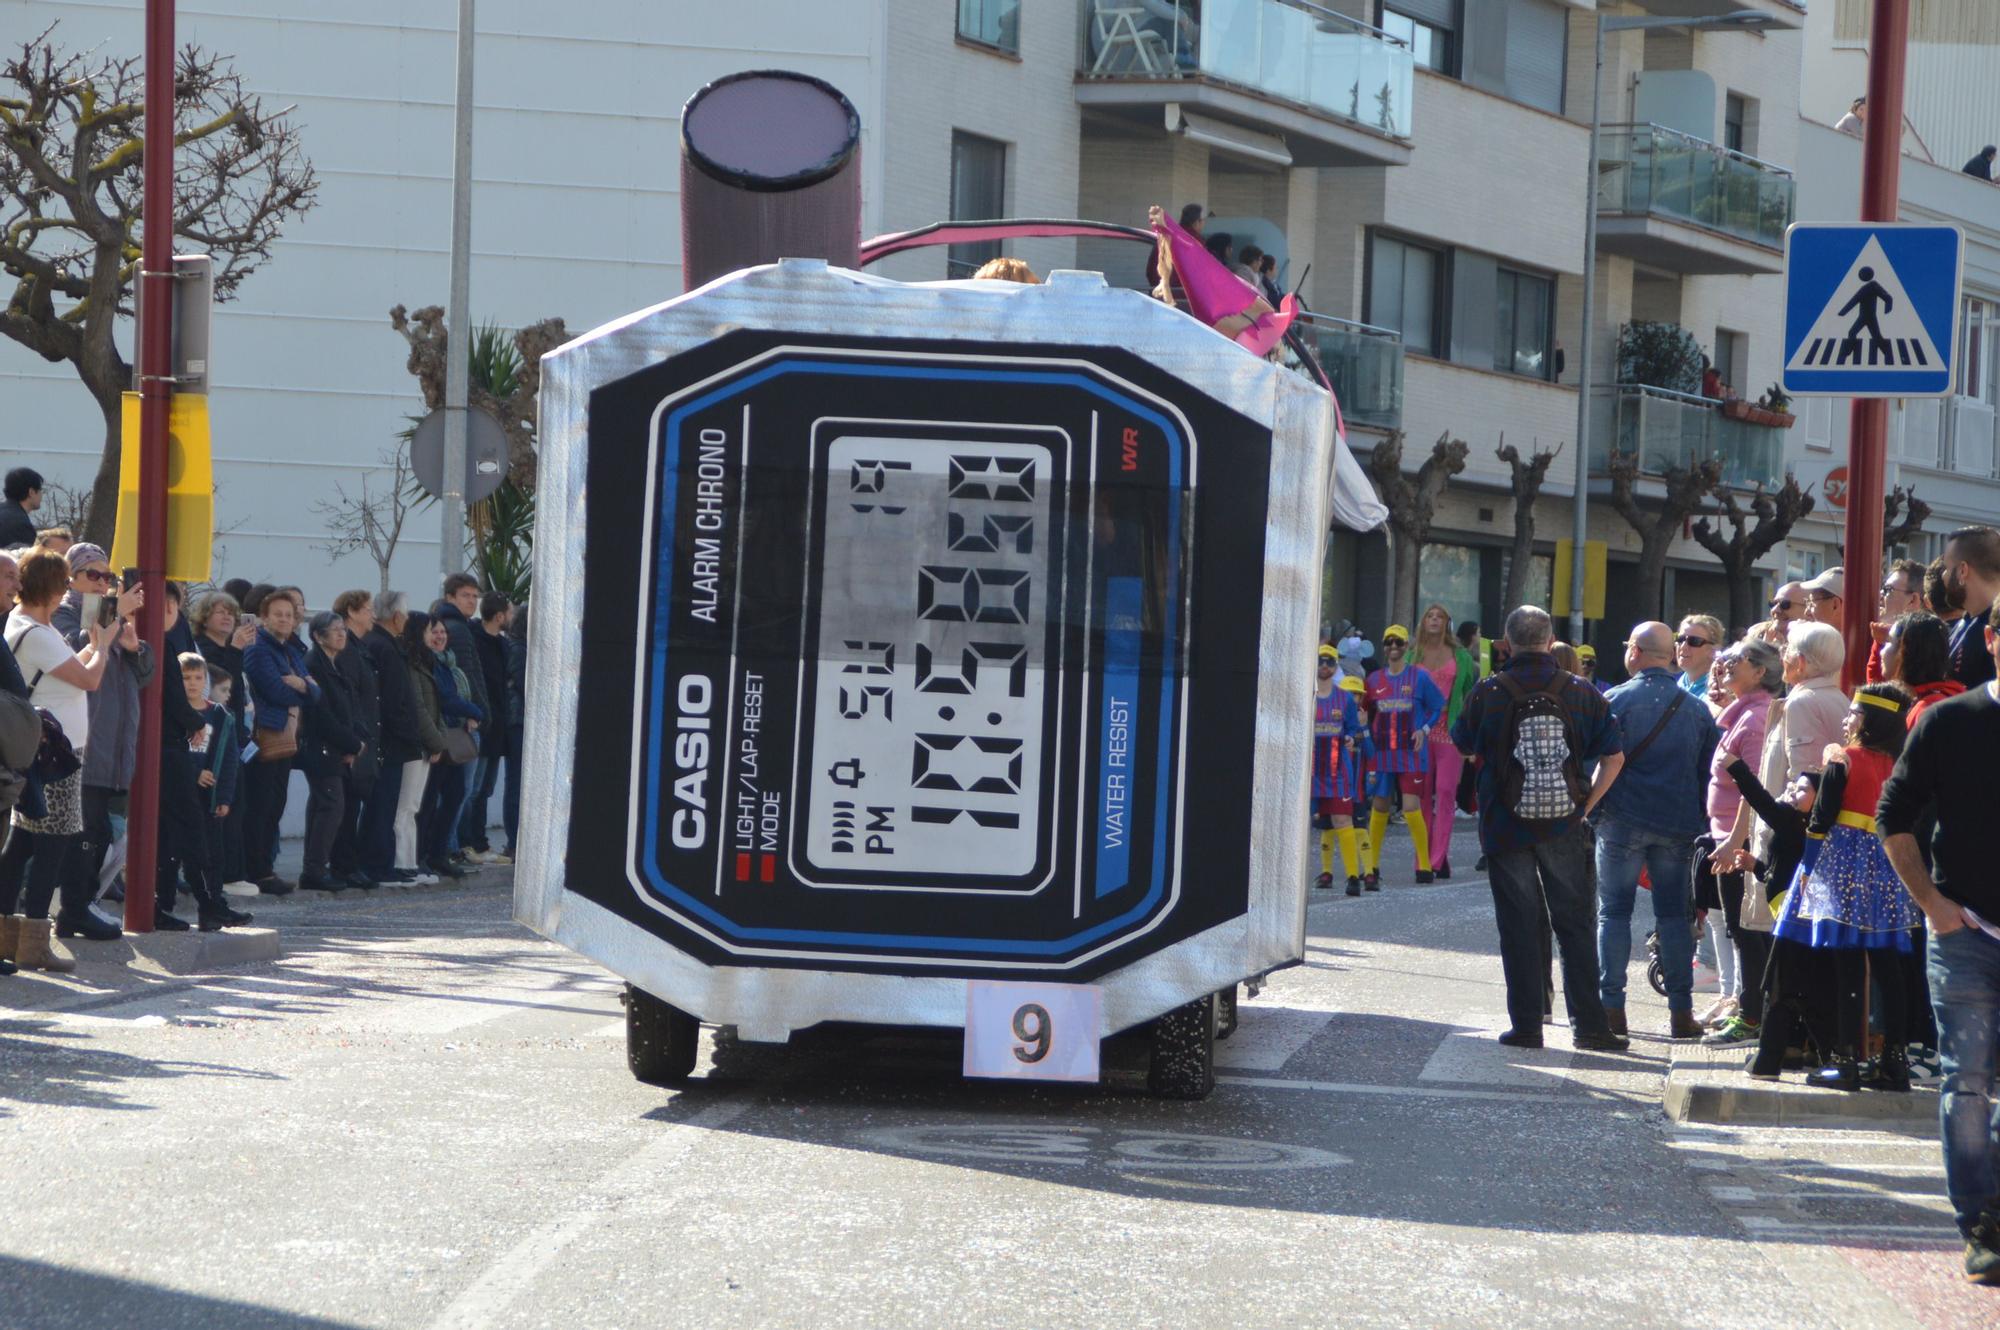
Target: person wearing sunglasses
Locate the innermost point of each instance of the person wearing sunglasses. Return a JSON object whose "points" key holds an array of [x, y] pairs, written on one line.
{"points": [[1902, 593], [1694, 651], [1823, 597], [1788, 604]]}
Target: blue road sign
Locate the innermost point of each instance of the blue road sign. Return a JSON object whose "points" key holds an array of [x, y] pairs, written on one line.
{"points": [[1871, 309]]}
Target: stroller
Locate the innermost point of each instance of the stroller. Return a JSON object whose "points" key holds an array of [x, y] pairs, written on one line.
{"points": [[1655, 975]]}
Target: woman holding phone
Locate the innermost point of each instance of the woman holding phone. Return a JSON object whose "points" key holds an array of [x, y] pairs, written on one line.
{"points": [[59, 681]]}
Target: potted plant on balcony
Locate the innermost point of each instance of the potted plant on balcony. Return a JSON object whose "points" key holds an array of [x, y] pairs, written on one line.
{"points": [[1659, 355], [1776, 405]]}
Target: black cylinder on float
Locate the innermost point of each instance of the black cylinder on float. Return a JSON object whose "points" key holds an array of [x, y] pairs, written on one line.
{"points": [[770, 169]]}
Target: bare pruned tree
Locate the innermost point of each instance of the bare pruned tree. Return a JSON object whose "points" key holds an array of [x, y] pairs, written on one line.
{"points": [[374, 519], [1528, 477], [72, 162], [430, 341], [1774, 514], [1684, 489], [1903, 515], [1412, 503]]}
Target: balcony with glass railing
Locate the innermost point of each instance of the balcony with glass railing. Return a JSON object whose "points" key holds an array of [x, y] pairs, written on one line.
{"points": [[1670, 431], [1258, 63], [1364, 364], [1691, 206]]}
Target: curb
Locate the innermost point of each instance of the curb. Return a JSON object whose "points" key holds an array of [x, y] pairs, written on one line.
{"points": [[1708, 1086], [184, 953]]}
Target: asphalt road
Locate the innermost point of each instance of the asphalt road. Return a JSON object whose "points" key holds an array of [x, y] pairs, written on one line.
{"points": [[421, 1118]]}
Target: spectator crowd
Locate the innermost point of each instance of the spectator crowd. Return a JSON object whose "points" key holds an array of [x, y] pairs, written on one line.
{"points": [[402, 723], [1824, 843]]}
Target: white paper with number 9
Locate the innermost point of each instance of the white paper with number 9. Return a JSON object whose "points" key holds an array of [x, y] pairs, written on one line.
{"points": [[1032, 1032]]}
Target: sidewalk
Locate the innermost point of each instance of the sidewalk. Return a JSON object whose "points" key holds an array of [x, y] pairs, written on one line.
{"points": [[1708, 1085], [281, 925]]}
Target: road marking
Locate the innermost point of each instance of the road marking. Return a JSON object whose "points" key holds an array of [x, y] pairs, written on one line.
{"points": [[1766, 1224], [1267, 1036], [1397, 1091], [1113, 1148], [1472, 1054], [481, 1303]]}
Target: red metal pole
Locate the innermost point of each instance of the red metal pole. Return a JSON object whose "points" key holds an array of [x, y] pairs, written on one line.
{"points": [[142, 816], [1868, 429]]}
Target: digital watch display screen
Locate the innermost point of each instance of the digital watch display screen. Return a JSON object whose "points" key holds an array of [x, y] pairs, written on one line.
{"points": [[935, 672], [917, 657]]}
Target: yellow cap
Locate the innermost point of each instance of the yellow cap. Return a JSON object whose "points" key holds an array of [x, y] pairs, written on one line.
{"points": [[1352, 684], [1586, 652], [1395, 630], [1328, 653]]}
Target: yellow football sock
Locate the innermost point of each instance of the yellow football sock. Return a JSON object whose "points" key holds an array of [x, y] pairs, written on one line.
{"points": [[1378, 832], [1349, 856], [1326, 853], [1420, 835]]}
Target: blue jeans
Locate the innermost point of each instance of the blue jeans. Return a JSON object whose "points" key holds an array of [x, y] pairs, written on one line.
{"points": [[1965, 994], [455, 837], [480, 777], [1537, 888], [1622, 849]]}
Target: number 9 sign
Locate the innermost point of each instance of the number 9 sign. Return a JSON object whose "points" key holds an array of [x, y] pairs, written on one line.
{"points": [[1040, 1032]]}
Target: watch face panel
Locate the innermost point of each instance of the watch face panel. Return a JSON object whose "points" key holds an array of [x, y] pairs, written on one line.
{"points": [[917, 656]]}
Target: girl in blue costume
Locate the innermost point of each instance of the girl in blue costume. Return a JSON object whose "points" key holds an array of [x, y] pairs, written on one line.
{"points": [[1846, 898], [1340, 742]]}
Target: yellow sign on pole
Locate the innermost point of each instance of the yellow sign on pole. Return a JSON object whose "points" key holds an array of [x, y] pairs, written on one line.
{"points": [[1594, 557], [190, 489]]}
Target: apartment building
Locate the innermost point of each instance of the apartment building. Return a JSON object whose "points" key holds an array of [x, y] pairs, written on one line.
{"points": [[1945, 450], [576, 213], [1421, 165], [1417, 166], [1951, 100]]}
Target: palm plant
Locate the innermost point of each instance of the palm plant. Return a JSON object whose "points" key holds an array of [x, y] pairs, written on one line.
{"points": [[503, 523]]}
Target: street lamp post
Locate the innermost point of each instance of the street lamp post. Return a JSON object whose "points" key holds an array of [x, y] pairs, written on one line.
{"points": [[1745, 20]]}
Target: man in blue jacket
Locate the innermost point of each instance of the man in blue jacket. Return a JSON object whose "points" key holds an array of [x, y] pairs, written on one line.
{"points": [[1649, 820]]}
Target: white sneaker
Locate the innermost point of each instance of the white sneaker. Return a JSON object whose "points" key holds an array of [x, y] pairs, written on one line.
{"points": [[496, 859], [1718, 1011], [424, 877], [1706, 980], [241, 888]]}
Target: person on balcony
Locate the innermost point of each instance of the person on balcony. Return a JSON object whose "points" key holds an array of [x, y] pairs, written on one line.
{"points": [[1856, 118], [1981, 167], [1713, 386]]}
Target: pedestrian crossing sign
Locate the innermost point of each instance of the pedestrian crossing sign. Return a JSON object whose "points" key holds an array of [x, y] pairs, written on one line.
{"points": [[1871, 309]]}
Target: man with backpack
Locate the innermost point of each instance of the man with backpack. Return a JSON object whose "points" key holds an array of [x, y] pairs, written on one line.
{"points": [[1531, 728], [1650, 820]]}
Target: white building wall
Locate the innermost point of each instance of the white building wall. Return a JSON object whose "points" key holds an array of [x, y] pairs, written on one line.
{"points": [[938, 84], [576, 213]]}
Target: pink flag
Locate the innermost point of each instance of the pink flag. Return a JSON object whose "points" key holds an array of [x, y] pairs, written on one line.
{"points": [[1217, 296]]}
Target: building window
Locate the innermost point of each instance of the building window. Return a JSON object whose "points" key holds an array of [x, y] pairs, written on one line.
{"points": [[1521, 327], [1403, 291], [1731, 358], [1981, 328], [978, 193], [1518, 49], [991, 23], [1734, 113], [1427, 25]]}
